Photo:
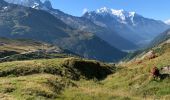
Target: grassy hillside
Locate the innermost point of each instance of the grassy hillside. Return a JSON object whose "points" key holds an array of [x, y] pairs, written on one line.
{"points": [[21, 49], [80, 79], [23, 45], [161, 38], [156, 45], [131, 81], [46, 79], [69, 78]]}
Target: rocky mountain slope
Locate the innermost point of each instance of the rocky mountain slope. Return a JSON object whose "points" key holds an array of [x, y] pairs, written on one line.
{"points": [[163, 37], [122, 29], [85, 24], [158, 44], [28, 23], [82, 24], [129, 25]]}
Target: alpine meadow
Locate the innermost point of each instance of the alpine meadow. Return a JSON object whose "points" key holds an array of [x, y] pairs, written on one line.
{"points": [[84, 50]]}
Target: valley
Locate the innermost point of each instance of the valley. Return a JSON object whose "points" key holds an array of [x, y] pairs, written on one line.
{"points": [[76, 78], [105, 54]]}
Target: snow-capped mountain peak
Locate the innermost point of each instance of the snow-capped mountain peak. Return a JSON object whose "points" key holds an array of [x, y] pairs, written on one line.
{"points": [[121, 15], [28, 3], [103, 10], [36, 4]]}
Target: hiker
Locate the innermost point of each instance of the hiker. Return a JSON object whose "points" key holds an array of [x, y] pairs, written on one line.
{"points": [[155, 72]]}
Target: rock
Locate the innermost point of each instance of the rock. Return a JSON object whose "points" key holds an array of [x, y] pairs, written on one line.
{"points": [[165, 69]]}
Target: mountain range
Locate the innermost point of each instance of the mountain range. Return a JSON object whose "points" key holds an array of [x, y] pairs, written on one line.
{"points": [[45, 54], [37, 4], [28, 23], [110, 29], [80, 23], [130, 25], [121, 29]]}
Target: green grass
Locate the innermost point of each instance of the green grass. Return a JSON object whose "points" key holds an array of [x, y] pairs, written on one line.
{"points": [[132, 81], [82, 79], [43, 86], [19, 45], [128, 83], [21, 49], [46, 79]]}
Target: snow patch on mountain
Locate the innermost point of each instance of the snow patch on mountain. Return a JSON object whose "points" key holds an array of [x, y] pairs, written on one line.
{"points": [[36, 4], [121, 15], [167, 22], [129, 25], [5, 8], [85, 10]]}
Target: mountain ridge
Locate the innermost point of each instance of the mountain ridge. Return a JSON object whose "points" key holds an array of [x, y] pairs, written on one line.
{"points": [[129, 29], [162, 37], [85, 24], [129, 25], [25, 22]]}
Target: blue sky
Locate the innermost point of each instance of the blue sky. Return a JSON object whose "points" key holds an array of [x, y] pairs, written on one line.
{"points": [[157, 9]]}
